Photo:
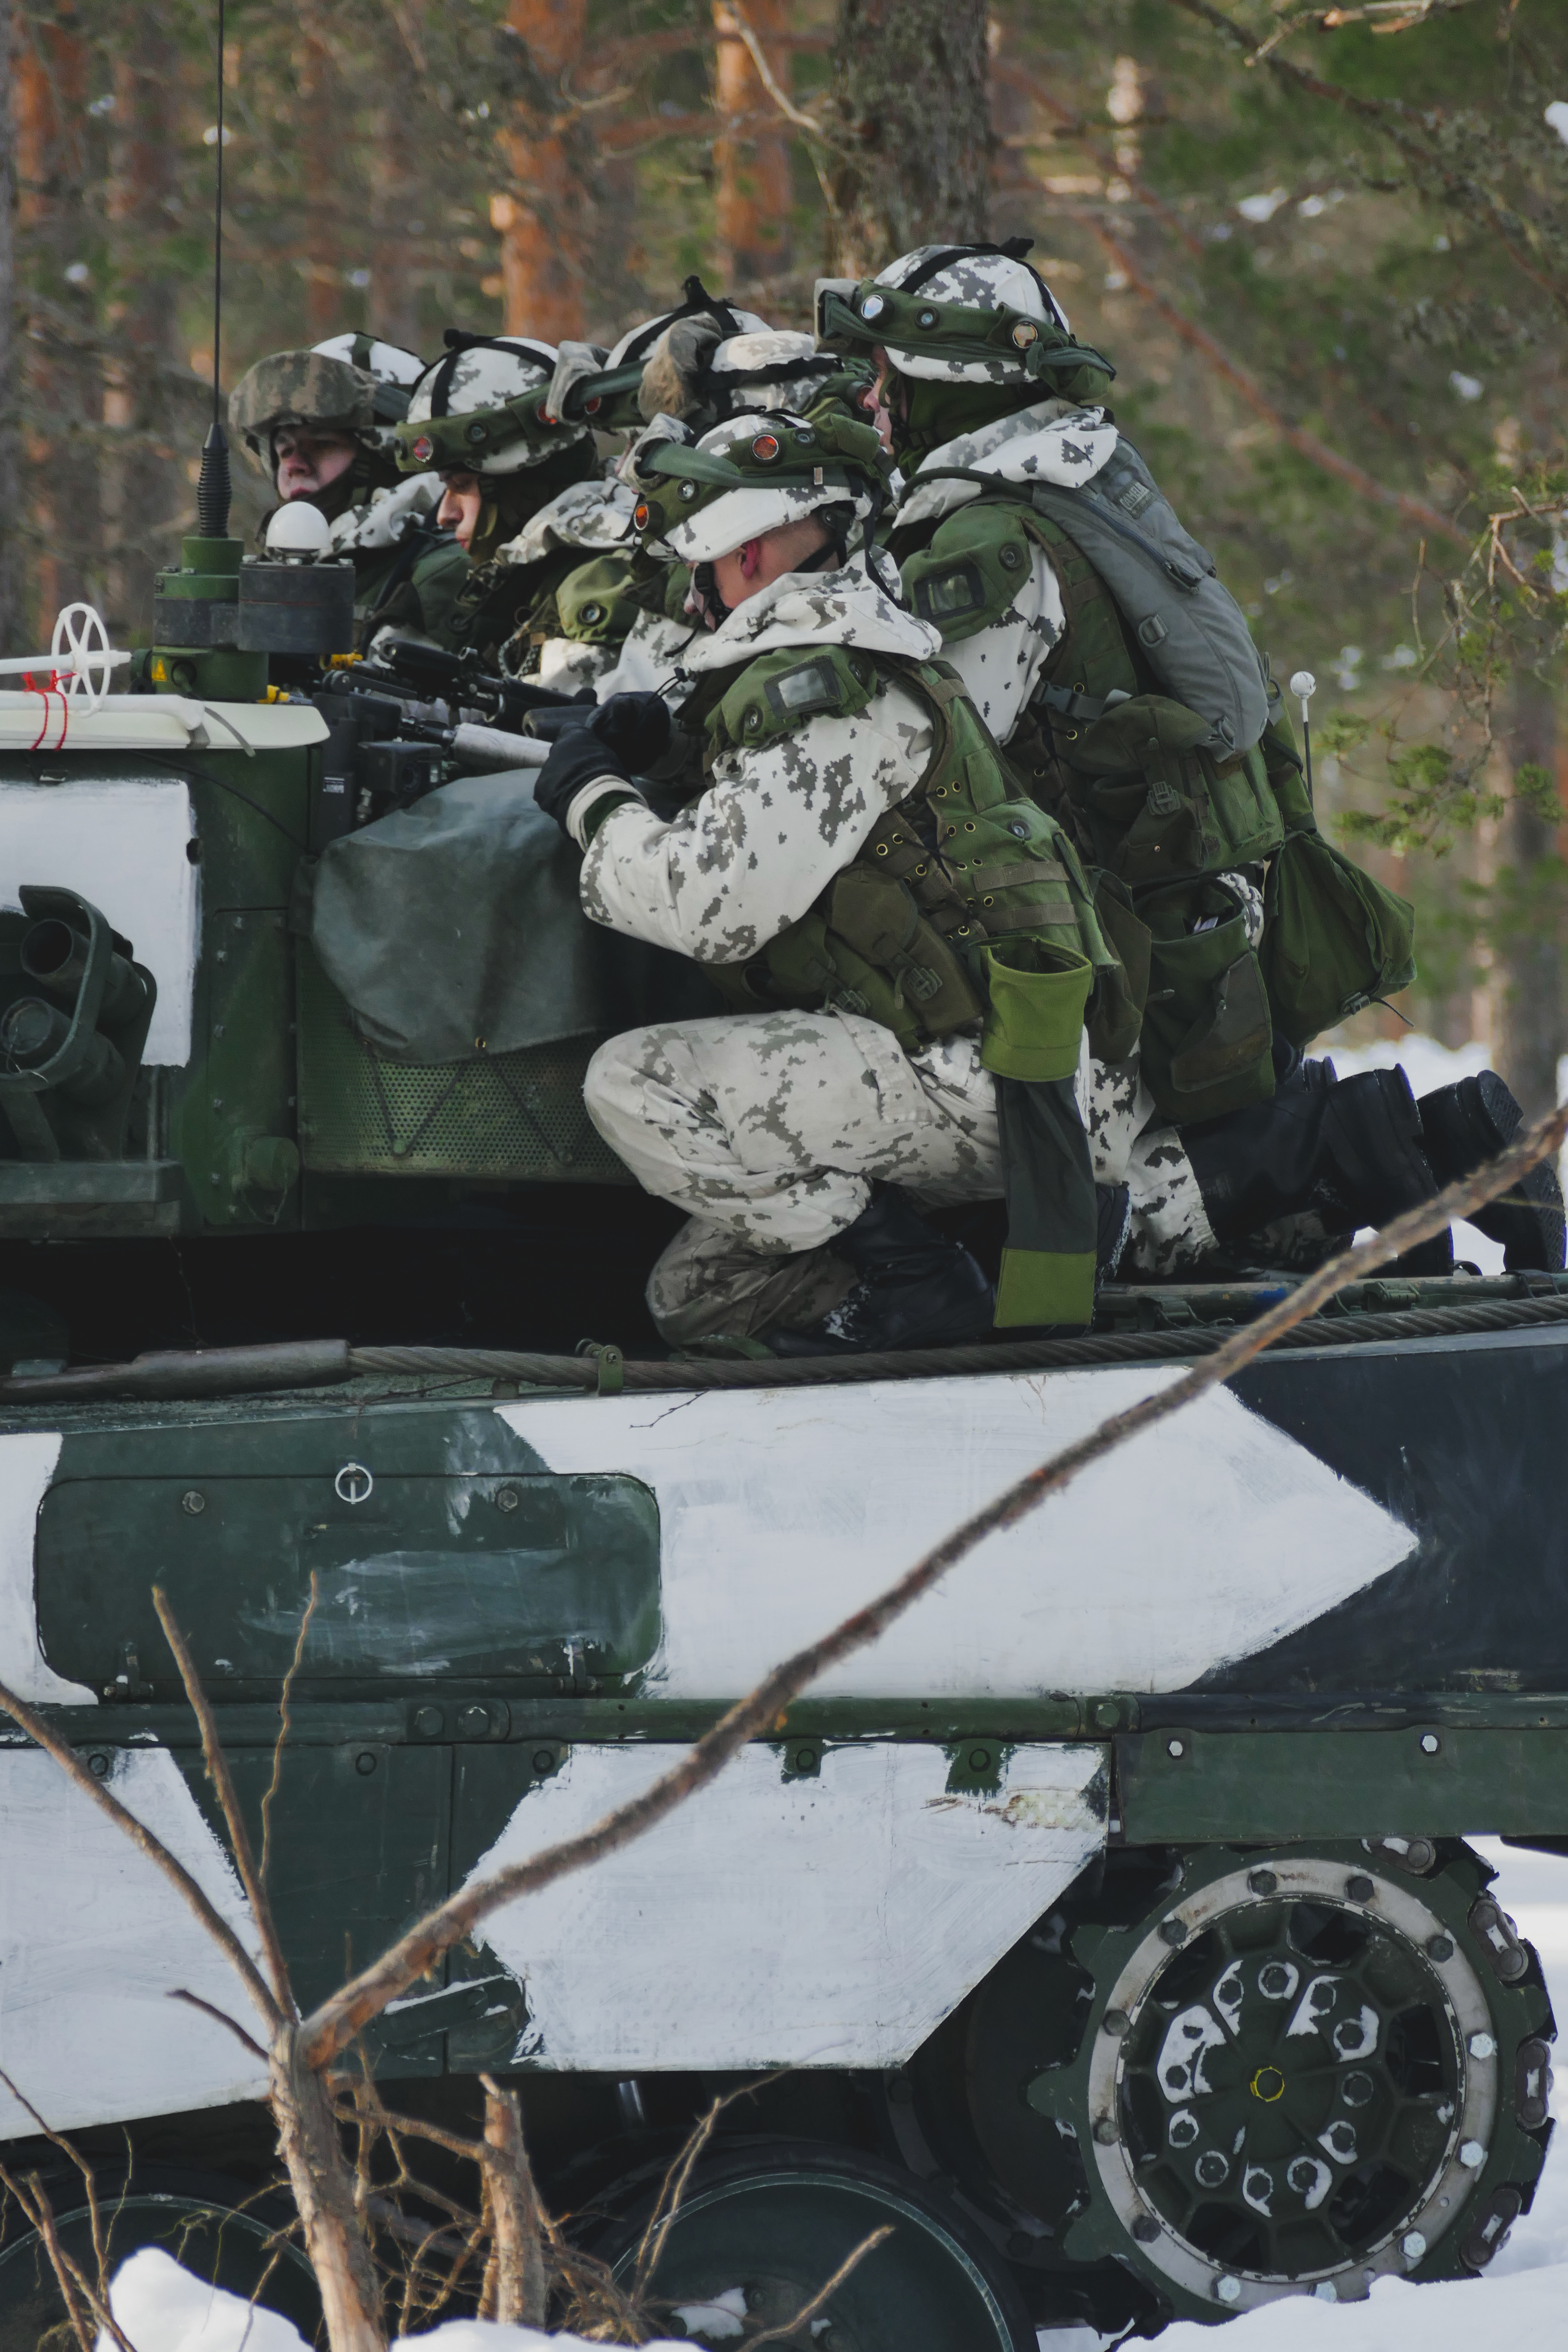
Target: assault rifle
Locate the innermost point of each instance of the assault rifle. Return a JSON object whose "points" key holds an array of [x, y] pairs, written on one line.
{"points": [[425, 673]]}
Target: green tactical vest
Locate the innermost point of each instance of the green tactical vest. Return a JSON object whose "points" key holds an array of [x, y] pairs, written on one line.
{"points": [[966, 906], [1123, 764], [967, 903]]}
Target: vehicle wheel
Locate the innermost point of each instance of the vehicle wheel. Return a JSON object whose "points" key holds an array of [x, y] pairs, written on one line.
{"points": [[1305, 2071], [763, 2228], [193, 2217]]}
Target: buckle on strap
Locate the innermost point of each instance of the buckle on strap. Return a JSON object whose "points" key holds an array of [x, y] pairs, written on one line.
{"points": [[1086, 708]]}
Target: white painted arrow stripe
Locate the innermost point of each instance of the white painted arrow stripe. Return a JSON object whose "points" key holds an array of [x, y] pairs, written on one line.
{"points": [[1203, 1540]]}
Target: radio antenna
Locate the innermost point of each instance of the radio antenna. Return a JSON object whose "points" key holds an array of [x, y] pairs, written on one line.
{"points": [[214, 489]]}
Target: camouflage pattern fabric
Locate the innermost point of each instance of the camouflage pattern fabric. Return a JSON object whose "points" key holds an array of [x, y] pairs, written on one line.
{"points": [[775, 825], [771, 1128], [302, 388], [1002, 665]]}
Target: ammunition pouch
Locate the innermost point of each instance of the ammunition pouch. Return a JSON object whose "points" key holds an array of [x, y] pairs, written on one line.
{"points": [[1033, 1022], [1156, 802], [1334, 939], [1206, 1024]]}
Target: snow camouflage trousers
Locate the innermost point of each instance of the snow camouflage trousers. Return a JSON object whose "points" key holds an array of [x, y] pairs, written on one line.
{"points": [[771, 1128]]}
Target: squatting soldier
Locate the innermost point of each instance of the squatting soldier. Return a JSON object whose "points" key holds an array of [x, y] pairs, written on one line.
{"points": [[524, 492], [904, 935], [1104, 654], [320, 423]]}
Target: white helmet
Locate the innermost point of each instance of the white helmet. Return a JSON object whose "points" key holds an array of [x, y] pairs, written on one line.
{"points": [[483, 405], [749, 475], [956, 314]]}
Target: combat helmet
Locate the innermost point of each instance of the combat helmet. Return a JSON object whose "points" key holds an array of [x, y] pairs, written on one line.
{"points": [[351, 383], [697, 500], [482, 406], [975, 316]]}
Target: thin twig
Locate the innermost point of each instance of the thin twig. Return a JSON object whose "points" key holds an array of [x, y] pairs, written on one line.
{"points": [[285, 1719], [791, 112], [219, 2017], [330, 2027], [219, 1773], [809, 2311], [45, 1737], [1307, 445], [57, 2139]]}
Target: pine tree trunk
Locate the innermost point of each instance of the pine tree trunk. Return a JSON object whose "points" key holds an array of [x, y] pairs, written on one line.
{"points": [[63, 390], [912, 102], [397, 204], [143, 500], [319, 134], [544, 214], [752, 160], [1529, 1024], [13, 545]]}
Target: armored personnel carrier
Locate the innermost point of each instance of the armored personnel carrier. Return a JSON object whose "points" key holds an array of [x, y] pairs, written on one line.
{"points": [[1108, 1929]]}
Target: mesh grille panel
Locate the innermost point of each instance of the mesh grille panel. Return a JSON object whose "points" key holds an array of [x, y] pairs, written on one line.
{"points": [[517, 1115]]}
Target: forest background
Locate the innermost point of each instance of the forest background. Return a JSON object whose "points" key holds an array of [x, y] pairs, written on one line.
{"points": [[1327, 249]]}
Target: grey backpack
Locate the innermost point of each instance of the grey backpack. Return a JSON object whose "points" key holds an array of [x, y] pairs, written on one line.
{"points": [[1193, 632]]}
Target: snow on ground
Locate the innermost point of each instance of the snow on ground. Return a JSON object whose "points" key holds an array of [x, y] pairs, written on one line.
{"points": [[162, 2308], [1523, 2297]]}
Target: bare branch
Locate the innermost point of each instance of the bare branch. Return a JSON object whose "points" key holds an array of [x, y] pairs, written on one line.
{"points": [[809, 2311], [329, 2029], [285, 1719], [220, 2017], [758, 56], [221, 1779], [1307, 445], [45, 1737]]}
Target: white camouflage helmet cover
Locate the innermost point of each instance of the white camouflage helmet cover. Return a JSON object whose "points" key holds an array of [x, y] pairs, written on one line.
{"points": [[719, 525], [768, 369], [483, 405], [978, 281]]}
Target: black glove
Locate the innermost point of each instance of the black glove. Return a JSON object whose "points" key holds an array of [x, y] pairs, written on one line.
{"points": [[637, 727]]}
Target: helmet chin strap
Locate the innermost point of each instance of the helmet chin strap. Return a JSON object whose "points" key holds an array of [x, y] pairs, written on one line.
{"points": [[704, 599]]}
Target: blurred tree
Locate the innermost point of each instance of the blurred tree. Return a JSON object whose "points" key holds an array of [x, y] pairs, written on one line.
{"points": [[64, 381], [911, 104], [544, 213], [141, 502], [751, 152], [11, 536]]}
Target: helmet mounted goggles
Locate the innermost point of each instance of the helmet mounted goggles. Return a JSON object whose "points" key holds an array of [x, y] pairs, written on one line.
{"points": [[830, 459], [871, 314]]}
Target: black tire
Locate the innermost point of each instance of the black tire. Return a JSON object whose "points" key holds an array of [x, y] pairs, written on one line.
{"points": [[764, 2225], [210, 2225]]}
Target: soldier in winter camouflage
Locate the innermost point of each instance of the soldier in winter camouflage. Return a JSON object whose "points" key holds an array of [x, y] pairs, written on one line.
{"points": [[1104, 654], [320, 423], [525, 493], [816, 741]]}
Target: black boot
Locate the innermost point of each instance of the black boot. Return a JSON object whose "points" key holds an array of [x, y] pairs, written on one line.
{"points": [[916, 1290], [1472, 1122], [1350, 1149]]}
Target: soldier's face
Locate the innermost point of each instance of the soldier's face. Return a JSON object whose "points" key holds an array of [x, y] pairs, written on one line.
{"points": [[888, 396], [461, 498], [306, 462]]}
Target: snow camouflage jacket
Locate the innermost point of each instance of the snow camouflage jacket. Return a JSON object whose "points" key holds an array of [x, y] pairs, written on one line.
{"points": [[551, 605], [1002, 663], [747, 858]]}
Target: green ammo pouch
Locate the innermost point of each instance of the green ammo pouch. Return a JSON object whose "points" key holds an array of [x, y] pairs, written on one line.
{"points": [[1038, 991], [599, 601], [1207, 1027], [1333, 939]]}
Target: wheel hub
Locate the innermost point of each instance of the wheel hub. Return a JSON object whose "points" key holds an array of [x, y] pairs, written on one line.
{"points": [[1291, 2085]]}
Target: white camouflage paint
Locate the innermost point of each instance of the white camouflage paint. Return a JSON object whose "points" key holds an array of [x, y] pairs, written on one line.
{"points": [[28, 1459], [824, 1922], [1206, 1539], [93, 1941]]}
